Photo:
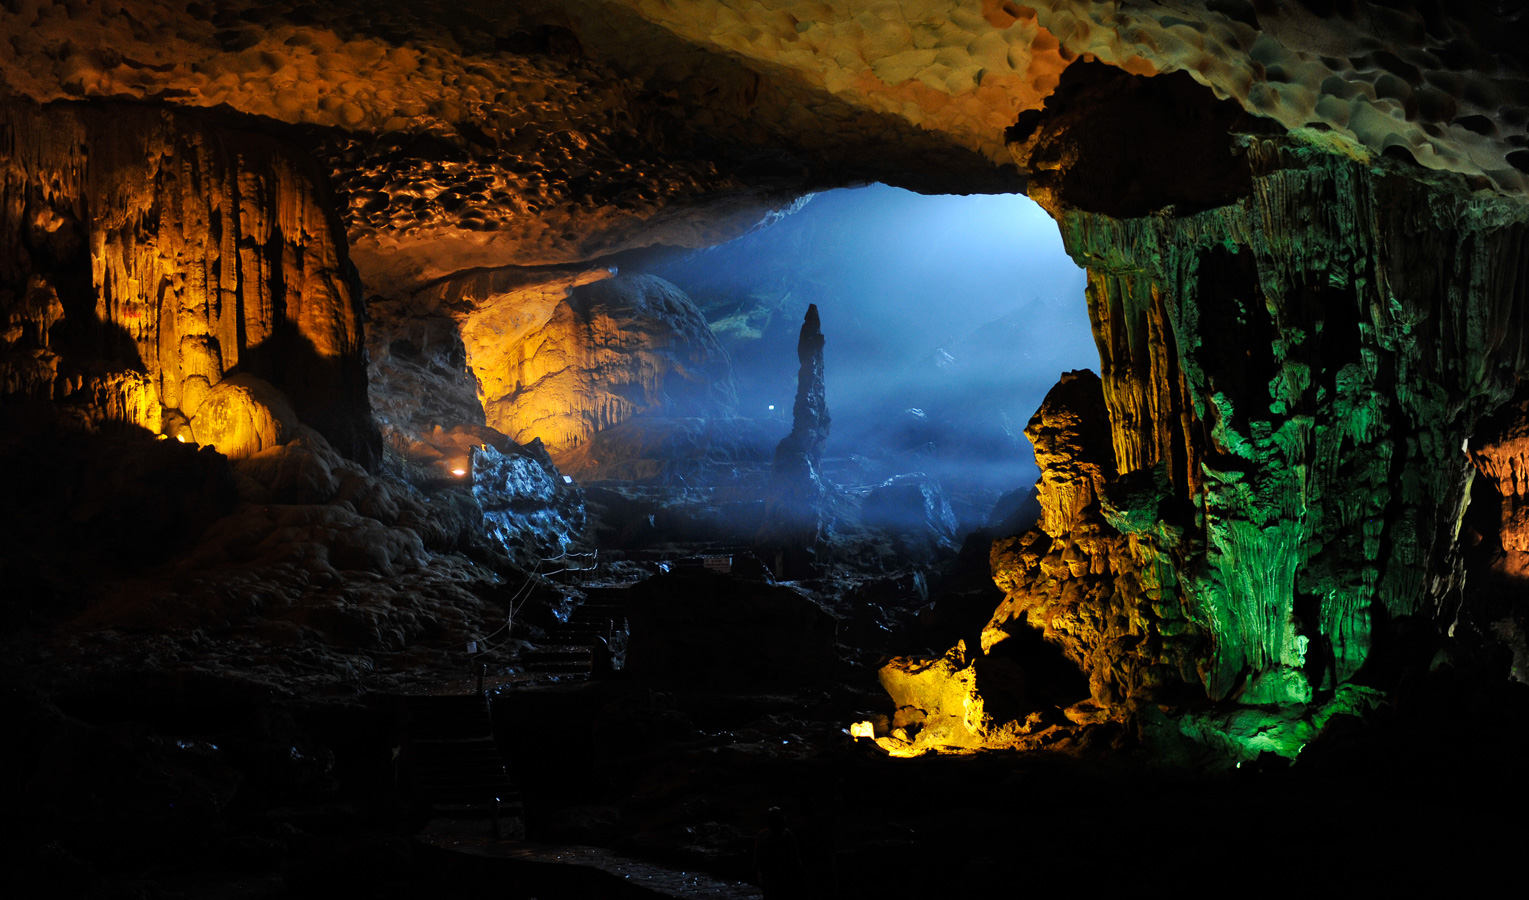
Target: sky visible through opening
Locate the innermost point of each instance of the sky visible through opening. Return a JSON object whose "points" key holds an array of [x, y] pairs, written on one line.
{"points": [[965, 309]]}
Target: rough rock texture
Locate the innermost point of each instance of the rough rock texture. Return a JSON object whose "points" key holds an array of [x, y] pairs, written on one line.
{"points": [[1301, 484], [242, 416], [466, 134], [1443, 82], [1103, 597], [1494, 611], [1500, 450], [426, 397], [955, 705], [797, 490], [150, 253], [615, 349], [487, 133], [915, 509], [1299, 327]]}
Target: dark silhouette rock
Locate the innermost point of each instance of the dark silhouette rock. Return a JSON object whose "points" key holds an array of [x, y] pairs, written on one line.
{"points": [[699, 624], [914, 509], [797, 489]]}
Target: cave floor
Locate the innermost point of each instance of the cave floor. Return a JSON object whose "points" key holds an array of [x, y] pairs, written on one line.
{"points": [[191, 780]]}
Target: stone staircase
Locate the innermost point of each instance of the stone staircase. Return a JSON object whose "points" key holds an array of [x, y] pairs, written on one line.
{"points": [[596, 627]]}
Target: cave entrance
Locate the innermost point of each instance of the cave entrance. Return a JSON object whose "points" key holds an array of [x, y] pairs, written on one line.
{"points": [[947, 320]]}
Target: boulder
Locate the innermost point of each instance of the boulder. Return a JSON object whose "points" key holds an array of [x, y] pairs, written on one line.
{"points": [[243, 415]]}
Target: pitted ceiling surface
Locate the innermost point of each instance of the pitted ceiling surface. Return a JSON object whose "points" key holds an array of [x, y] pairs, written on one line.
{"points": [[551, 131]]}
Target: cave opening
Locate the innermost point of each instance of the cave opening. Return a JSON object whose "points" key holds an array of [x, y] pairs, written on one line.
{"points": [[947, 319]]}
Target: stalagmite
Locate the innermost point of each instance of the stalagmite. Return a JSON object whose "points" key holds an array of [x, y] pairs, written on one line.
{"points": [[797, 489]]}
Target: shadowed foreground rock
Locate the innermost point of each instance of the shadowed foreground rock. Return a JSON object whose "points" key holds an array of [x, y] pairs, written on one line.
{"points": [[695, 624]]}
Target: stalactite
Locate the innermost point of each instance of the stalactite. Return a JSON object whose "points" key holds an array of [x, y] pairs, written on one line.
{"points": [[180, 249]]}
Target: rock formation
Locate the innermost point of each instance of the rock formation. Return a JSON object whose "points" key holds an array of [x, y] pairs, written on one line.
{"points": [[1303, 484], [1306, 281], [1500, 450], [1077, 576], [425, 394], [154, 252], [1493, 612], [613, 350], [797, 489], [914, 509]]}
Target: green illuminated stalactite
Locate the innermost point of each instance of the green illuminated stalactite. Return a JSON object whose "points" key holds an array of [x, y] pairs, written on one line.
{"points": [[1301, 367]]}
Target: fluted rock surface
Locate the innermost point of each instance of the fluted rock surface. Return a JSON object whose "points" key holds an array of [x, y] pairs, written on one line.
{"points": [[1500, 450], [611, 350], [1094, 590], [425, 393], [1291, 364], [151, 253]]}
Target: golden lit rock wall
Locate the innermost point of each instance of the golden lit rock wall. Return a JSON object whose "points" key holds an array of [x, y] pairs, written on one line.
{"points": [[1103, 596], [612, 350], [1501, 454], [461, 137], [153, 253]]}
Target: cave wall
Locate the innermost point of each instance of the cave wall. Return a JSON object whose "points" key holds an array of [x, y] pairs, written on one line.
{"points": [[607, 349], [1298, 328], [1290, 378], [152, 253]]}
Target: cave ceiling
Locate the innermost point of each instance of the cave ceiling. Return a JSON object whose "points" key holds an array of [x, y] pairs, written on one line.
{"points": [[484, 133]]}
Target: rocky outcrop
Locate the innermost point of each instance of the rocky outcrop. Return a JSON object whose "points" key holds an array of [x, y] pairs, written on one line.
{"points": [[699, 451], [473, 135], [1493, 616], [1106, 600], [913, 509], [152, 253], [797, 489], [425, 391], [1284, 377], [615, 349], [1500, 450]]}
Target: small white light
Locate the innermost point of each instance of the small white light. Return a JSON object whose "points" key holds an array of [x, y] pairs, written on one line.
{"points": [[772, 406], [568, 479], [181, 438], [459, 472]]}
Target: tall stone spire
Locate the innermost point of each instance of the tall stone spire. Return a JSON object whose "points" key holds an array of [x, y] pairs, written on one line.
{"points": [[797, 490]]}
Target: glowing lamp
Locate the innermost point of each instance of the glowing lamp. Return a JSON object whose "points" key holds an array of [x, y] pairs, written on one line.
{"points": [[459, 472], [181, 438]]}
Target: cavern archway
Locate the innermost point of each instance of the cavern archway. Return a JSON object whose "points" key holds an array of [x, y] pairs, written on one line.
{"points": [[273, 278]]}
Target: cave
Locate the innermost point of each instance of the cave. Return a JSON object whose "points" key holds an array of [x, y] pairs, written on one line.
{"points": [[604, 448]]}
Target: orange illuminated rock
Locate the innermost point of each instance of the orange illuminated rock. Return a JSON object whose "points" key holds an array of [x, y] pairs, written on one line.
{"points": [[945, 705], [241, 416], [172, 248], [613, 350], [1500, 451]]}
